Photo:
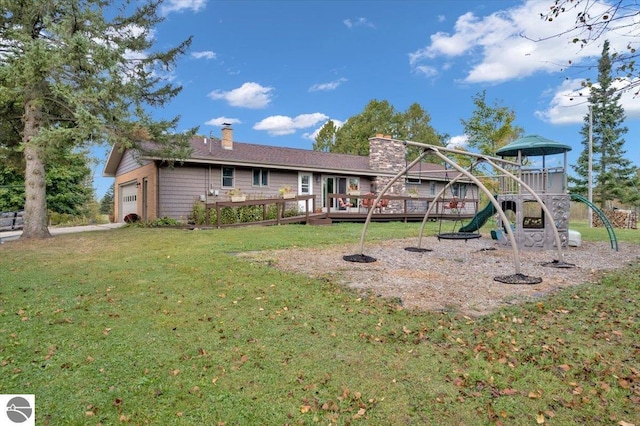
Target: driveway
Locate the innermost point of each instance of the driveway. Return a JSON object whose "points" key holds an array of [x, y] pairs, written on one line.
{"points": [[14, 235]]}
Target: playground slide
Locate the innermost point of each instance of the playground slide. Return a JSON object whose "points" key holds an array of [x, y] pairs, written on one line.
{"points": [[479, 219]]}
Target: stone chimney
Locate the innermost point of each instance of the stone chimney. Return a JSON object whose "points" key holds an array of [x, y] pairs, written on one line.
{"points": [[387, 157], [227, 136]]}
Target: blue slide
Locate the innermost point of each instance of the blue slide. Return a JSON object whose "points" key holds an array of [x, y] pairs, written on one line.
{"points": [[479, 219]]}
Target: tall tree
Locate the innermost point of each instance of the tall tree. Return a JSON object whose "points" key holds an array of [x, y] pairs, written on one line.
{"points": [[71, 77], [379, 117], [490, 127], [612, 172], [106, 203], [326, 138], [353, 136]]}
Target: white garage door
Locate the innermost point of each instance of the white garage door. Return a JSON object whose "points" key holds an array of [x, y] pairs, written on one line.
{"points": [[128, 200]]}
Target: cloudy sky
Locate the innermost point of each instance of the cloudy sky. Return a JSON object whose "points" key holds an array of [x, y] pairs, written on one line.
{"points": [[278, 70]]}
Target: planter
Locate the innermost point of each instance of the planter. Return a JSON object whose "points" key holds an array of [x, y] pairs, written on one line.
{"points": [[289, 195], [238, 198], [353, 192]]}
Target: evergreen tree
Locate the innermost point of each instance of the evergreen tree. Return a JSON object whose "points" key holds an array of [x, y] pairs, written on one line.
{"points": [[106, 203], [78, 72], [612, 173], [68, 184], [326, 138]]}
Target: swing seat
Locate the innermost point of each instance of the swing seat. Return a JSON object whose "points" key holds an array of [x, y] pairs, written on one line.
{"points": [[458, 236]]}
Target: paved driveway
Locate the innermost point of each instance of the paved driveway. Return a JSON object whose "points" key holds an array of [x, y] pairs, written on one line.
{"points": [[14, 235]]}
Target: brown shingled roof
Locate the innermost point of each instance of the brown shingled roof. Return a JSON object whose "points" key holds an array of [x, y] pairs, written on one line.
{"points": [[210, 151], [275, 157]]}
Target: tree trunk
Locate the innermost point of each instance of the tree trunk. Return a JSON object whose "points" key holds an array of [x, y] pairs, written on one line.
{"points": [[35, 207]]}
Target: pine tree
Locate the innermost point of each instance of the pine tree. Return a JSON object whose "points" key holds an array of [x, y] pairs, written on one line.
{"points": [[612, 173], [75, 73]]}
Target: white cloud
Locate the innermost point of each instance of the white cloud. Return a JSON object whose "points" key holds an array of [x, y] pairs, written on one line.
{"points": [[249, 95], [458, 142], [325, 87], [180, 5], [502, 46], [219, 121], [569, 104], [279, 125], [359, 22], [206, 54], [425, 70]]}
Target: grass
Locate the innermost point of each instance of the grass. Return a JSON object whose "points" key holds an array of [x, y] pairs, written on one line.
{"points": [[162, 326]]}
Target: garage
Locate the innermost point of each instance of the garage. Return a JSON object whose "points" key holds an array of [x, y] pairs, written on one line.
{"points": [[128, 200]]}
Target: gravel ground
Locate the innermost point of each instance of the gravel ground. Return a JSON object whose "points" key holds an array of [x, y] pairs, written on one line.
{"points": [[455, 275]]}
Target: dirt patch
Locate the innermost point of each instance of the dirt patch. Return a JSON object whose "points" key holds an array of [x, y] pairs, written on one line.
{"points": [[455, 275]]}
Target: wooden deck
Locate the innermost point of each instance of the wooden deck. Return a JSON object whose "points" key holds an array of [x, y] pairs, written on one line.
{"points": [[398, 208]]}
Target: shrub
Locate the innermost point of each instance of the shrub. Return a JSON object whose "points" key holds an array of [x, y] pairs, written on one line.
{"points": [[198, 213]]}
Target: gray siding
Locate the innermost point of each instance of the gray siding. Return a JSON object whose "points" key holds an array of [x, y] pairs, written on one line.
{"points": [[179, 188], [130, 162], [243, 179]]}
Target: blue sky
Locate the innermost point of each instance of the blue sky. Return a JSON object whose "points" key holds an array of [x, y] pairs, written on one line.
{"points": [[278, 70]]}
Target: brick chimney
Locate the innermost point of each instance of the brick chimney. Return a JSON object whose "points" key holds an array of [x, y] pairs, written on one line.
{"points": [[227, 136]]}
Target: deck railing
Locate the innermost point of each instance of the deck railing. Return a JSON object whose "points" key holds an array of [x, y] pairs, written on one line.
{"points": [[288, 210], [402, 205], [263, 204]]}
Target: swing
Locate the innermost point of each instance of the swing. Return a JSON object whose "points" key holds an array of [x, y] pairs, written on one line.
{"points": [[456, 205]]}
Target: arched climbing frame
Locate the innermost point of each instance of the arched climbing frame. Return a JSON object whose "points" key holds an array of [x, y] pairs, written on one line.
{"points": [[612, 235], [437, 151]]}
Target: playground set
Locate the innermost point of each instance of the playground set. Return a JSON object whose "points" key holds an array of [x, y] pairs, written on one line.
{"points": [[531, 206]]}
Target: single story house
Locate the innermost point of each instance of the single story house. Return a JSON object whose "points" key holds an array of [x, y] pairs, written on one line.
{"points": [[151, 188]]}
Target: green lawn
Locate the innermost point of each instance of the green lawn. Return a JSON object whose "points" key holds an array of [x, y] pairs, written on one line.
{"points": [[165, 326]]}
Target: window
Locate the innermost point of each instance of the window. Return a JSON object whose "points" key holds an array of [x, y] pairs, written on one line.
{"points": [[305, 184], [228, 174], [260, 177], [413, 180], [459, 190], [432, 188]]}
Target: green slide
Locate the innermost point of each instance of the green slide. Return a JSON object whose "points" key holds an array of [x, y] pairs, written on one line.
{"points": [[479, 219]]}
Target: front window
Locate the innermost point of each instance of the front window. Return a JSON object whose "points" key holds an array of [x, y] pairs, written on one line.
{"points": [[459, 190], [228, 174], [432, 188], [260, 177], [305, 184]]}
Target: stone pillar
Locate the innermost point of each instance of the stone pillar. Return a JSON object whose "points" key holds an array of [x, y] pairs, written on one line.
{"points": [[387, 157]]}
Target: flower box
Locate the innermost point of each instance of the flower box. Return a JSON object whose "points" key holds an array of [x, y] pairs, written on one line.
{"points": [[238, 198], [289, 195]]}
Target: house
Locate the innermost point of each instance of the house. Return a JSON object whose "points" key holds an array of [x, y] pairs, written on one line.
{"points": [[151, 188]]}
